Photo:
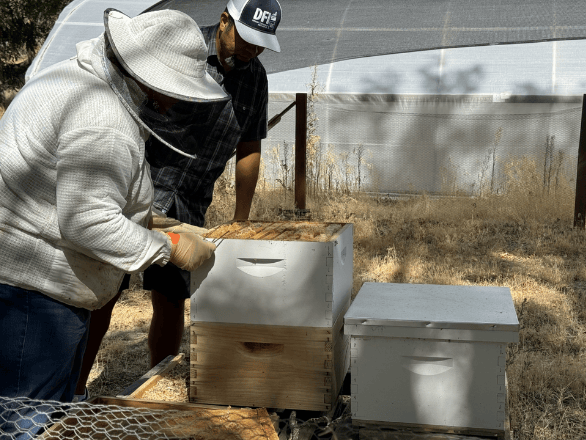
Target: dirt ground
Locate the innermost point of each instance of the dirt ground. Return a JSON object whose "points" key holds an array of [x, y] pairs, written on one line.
{"points": [[124, 355]]}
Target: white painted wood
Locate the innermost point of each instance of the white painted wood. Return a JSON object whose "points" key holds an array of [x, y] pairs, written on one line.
{"points": [[434, 306], [430, 374], [428, 382], [273, 282], [432, 333]]}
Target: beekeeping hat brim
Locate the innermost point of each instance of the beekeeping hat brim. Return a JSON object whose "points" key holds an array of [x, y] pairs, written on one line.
{"points": [[165, 51]]}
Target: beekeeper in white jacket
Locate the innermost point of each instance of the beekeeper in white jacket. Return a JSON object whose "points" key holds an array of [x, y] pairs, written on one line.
{"points": [[76, 191]]}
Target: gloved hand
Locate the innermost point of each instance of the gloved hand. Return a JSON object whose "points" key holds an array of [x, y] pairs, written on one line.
{"points": [[168, 224], [189, 250]]}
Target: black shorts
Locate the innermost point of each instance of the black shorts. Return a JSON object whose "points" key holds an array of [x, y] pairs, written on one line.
{"points": [[125, 283], [168, 280]]}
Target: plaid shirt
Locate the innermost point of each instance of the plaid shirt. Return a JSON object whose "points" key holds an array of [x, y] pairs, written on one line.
{"points": [[211, 131]]}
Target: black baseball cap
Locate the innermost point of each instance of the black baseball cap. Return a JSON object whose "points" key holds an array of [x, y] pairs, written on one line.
{"points": [[257, 21]]}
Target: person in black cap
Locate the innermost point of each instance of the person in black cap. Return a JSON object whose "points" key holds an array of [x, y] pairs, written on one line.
{"points": [[184, 186]]}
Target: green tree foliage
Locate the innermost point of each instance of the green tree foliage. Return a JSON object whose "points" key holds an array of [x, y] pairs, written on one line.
{"points": [[24, 25]]}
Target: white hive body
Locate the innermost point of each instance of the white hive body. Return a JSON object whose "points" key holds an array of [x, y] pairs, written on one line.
{"points": [[273, 281], [430, 355], [267, 315]]}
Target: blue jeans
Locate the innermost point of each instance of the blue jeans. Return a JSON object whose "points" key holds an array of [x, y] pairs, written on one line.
{"points": [[42, 342]]}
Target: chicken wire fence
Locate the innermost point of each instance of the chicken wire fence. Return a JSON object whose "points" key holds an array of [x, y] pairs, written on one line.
{"points": [[438, 144], [23, 418]]}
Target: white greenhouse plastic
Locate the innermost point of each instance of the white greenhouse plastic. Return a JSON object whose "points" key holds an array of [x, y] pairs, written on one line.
{"points": [[419, 118]]}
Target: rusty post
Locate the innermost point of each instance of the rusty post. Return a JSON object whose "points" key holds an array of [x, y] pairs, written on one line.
{"points": [[580, 203], [300, 149]]}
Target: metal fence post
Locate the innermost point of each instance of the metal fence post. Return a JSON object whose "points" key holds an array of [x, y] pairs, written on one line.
{"points": [[580, 203], [300, 149]]}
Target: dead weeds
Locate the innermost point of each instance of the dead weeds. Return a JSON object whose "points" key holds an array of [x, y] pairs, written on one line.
{"points": [[454, 241]]}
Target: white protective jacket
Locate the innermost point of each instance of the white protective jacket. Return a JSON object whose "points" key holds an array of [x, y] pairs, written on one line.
{"points": [[75, 188]]}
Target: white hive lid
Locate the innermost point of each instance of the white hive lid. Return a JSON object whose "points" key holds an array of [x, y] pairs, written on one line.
{"points": [[434, 306]]}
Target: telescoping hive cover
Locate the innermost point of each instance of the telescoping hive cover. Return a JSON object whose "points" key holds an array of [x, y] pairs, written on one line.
{"points": [[442, 312]]}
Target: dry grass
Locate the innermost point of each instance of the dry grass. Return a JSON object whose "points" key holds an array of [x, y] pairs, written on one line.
{"points": [[6, 98], [522, 239]]}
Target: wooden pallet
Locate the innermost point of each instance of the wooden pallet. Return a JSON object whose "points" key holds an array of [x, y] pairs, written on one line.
{"points": [[268, 366]]}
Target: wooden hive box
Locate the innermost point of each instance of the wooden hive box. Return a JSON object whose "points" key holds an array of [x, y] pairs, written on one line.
{"points": [[267, 316], [431, 356]]}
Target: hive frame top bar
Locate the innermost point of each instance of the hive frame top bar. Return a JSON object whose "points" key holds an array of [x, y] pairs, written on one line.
{"points": [[303, 231]]}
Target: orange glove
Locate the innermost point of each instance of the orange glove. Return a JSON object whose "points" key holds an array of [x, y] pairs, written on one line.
{"points": [[189, 250]]}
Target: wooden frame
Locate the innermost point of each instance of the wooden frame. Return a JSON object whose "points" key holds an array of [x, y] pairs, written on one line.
{"points": [[150, 378], [182, 421]]}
